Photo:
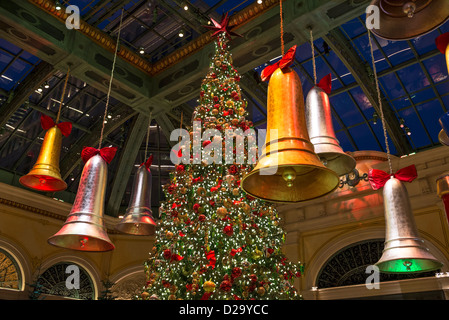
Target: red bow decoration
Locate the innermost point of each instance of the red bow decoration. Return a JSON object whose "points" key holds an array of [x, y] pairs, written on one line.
{"points": [[378, 178], [285, 62], [211, 257], [442, 41], [234, 251], [107, 153], [47, 123], [176, 257], [148, 162], [206, 295], [326, 84]]}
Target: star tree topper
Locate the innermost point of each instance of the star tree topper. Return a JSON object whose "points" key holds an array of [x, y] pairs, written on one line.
{"points": [[222, 27]]}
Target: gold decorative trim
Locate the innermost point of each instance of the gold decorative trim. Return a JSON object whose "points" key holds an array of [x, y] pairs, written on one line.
{"points": [[104, 40], [42, 212]]}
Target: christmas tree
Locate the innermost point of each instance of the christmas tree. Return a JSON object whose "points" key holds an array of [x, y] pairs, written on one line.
{"points": [[213, 241]]}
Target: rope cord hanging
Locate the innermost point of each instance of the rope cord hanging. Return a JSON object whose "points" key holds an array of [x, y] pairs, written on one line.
{"points": [[148, 135], [313, 56], [282, 27], [110, 81], [380, 103], [63, 94]]}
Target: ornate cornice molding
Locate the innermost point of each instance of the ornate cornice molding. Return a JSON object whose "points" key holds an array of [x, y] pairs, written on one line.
{"points": [[42, 212], [107, 42]]}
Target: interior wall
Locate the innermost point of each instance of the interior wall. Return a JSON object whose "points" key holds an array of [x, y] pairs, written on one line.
{"points": [[318, 229]]}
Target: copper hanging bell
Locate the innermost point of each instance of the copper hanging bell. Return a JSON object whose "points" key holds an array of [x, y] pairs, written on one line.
{"points": [[443, 191], [45, 175], [442, 43], [288, 169], [84, 229], [408, 19], [322, 135], [404, 251], [138, 219]]}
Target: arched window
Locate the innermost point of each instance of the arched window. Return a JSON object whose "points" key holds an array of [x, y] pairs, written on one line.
{"points": [[348, 266], [10, 275], [54, 281]]}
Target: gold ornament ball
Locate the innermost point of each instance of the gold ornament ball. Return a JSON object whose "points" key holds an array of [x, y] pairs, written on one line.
{"points": [[145, 295], [209, 286]]}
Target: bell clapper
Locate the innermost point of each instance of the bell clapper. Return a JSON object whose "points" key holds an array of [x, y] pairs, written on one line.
{"points": [[323, 161], [408, 264], [409, 9], [83, 242], [289, 175]]}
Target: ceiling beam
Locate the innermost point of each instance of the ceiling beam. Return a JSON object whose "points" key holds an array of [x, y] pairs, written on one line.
{"points": [[127, 159], [121, 114], [346, 53], [167, 127], [37, 76]]}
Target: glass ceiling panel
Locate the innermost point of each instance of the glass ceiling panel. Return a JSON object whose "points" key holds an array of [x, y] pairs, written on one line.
{"points": [[396, 51], [430, 112], [361, 44], [436, 67], [353, 28], [425, 43], [345, 141], [413, 78], [363, 102], [363, 137], [348, 112], [418, 135], [443, 87], [379, 131]]}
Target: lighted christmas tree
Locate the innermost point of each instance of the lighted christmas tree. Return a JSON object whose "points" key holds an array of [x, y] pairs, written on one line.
{"points": [[213, 241]]}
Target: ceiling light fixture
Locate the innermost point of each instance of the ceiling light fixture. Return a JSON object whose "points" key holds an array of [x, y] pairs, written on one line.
{"points": [[46, 85], [259, 1], [58, 5], [141, 50], [402, 123], [407, 131], [181, 33], [186, 7], [39, 89]]}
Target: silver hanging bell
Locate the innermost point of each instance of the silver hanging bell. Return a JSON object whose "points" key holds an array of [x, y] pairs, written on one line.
{"points": [[404, 250], [138, 219], [84, 229], [322, 135]]}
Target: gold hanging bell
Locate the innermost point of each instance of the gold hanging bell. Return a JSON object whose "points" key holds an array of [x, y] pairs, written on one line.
{"points": [[404, 251], [138, 219], [84, 229], [288, 169], [408, 19], [322, 135], [45, 175]]}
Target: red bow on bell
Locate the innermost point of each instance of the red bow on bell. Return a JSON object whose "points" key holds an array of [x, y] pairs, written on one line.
{"points": [[285, 62], [148, 162], [378, 178], [442, 42], [47, 123], [326, 84], [106, 153]]}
